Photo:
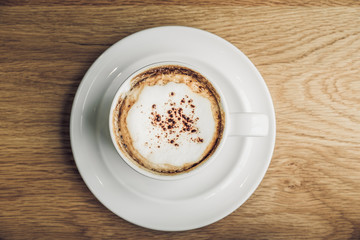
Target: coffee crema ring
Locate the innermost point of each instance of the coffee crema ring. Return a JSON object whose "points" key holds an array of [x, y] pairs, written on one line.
{"points": [[170, 121]]}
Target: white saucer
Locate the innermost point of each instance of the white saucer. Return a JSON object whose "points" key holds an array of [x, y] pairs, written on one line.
{"points": [[184, 204]]}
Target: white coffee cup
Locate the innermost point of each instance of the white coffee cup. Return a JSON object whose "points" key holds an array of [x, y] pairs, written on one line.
{"points": [[238, 124]]}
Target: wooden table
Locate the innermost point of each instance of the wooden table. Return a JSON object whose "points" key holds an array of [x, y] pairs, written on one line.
{"points": [[308, 54]]}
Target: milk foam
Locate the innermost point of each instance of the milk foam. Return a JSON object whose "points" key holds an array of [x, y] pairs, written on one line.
{"points": [[174, 142]]}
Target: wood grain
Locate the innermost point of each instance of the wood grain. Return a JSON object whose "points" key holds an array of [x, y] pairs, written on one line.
{"points": [[248, 3], [308, 54]]}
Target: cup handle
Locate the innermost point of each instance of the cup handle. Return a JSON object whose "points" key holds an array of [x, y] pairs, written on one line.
{"points": [[248, 124]]}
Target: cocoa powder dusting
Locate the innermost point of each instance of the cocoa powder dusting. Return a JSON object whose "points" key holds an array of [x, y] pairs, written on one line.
{"points": [[175, 122]]}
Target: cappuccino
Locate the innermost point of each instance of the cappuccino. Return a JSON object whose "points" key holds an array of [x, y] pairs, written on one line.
{"points": [[170, 121]]}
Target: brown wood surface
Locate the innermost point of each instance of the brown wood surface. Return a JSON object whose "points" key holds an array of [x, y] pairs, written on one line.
{"points": [[308, 53]]}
